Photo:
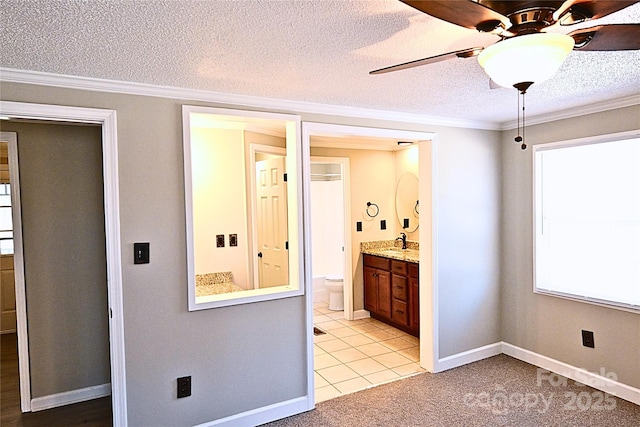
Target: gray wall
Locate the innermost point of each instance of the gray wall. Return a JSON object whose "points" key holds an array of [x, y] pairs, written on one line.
{"points": [[549, 325], [249, 356], [64, 253], [468, 215]]}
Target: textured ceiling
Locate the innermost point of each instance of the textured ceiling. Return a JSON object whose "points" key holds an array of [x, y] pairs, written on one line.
{"points": [[315, 51]]}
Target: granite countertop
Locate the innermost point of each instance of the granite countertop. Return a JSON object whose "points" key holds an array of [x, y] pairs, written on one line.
{"points": [[392, 249]]}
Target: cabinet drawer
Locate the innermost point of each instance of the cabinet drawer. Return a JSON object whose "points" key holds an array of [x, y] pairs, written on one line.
{"points": [[399, 287], [376, 262], [399, 312], [399, 267], [413, 269]]}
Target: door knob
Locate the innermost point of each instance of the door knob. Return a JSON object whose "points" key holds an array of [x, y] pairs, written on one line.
{"points": [[259, 254]]}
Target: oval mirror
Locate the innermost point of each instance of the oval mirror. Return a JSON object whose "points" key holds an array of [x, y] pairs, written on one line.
{"points": [[407, 206]]}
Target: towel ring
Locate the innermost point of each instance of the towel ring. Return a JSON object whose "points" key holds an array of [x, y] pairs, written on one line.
{"points": [[415, 208], [377, 210]]}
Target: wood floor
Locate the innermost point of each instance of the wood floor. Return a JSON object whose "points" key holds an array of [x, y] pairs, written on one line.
{"points": [[93, 413]]}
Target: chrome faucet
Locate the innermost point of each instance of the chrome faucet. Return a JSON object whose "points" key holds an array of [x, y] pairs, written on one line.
{"points": [[403, 237]]}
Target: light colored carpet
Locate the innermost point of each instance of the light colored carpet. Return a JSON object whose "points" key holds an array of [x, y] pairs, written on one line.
{"points": [[499, 391]]}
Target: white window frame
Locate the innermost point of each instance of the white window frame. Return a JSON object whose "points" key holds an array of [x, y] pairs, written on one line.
{"points": [[566, 144]]}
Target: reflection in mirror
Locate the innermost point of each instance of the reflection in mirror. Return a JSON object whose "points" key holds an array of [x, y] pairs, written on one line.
{"points": [[242, 196], [407, 204]]}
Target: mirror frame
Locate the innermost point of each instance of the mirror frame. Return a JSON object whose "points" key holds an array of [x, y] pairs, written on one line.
{"points": [[295, 286]]}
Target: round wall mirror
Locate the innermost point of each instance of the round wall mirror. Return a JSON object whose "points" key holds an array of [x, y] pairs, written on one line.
{"points": [[407, 206]]}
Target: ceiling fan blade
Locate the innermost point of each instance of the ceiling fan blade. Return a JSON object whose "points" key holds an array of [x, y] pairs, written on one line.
{"points": [[466, 53], [608, 37], [465, 13], [581, 10]]}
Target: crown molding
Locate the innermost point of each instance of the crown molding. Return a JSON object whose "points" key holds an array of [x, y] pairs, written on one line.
{"points": [[131, 88], [599, 107]]}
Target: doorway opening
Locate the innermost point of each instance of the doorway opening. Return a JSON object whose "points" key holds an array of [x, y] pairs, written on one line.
{"points": [[107, 157], [342, 349]]}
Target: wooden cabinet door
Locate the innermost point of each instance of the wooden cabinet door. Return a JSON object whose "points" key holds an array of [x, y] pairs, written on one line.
{"points": [[370, 289], [384, 293], [414, 304]]}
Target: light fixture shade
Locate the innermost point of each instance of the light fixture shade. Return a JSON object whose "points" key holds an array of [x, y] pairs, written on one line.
{"points": [[527, 58]]}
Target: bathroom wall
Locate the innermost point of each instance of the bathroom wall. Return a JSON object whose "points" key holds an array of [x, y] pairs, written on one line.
{"points": [[219, 202], [372, 179]]}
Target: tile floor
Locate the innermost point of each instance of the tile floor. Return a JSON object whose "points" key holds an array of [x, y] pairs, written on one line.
{"points": [[354, 355]]}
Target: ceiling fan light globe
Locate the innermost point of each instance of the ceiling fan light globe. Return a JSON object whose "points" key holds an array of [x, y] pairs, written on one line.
{"points": [[527, 58]]}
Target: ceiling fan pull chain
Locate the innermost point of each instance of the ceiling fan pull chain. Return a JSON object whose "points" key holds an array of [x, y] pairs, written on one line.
{"points": [[518, 138], [524, 145]]}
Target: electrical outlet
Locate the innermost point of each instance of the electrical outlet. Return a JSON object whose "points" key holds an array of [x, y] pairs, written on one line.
{"points": [[359, 226], [233, 240], [220, 240], [383, 224], [587, 339], [184, 387], [405, 223]]}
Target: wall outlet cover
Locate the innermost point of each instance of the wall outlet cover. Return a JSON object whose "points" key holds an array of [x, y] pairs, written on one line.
{"points": [[184, 387], [220, 240], [383, 224], [359, 226], [405, 223], [587, 339], [233, 240]]}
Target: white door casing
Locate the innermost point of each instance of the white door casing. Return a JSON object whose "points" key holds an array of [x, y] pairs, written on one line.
{"points": [[107, 119]]}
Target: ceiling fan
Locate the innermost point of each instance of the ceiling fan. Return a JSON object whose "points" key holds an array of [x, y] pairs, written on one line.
{"points": [[526, 52], [524, 41]]}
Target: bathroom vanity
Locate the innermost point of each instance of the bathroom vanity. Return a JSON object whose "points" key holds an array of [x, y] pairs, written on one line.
{"points": [[391, 289]]}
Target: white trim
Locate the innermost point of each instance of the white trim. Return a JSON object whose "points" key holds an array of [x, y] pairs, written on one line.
{"points": [[18, 263], [264, 414], [583, 376], [112, 86], [470, 356], [305, 156], [346, 216], [428, 268], [361, 314], [583, 110], [107, 118], [69, 397]]}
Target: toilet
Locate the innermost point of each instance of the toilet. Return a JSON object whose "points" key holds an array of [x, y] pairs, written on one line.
{"points": [[335, 286]]}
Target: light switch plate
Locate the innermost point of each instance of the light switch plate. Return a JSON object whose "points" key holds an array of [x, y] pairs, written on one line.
{"points": [[141, 253], [233, 240], [220, 240]]}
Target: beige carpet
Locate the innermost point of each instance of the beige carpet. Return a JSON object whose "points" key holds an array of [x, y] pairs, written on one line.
{"points": [[499, 391]]}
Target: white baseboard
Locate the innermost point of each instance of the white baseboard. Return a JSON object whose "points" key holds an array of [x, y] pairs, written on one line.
{"points": [[361, 314], [265, 414], [467, 357], [69, 397], [583, 376]]}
